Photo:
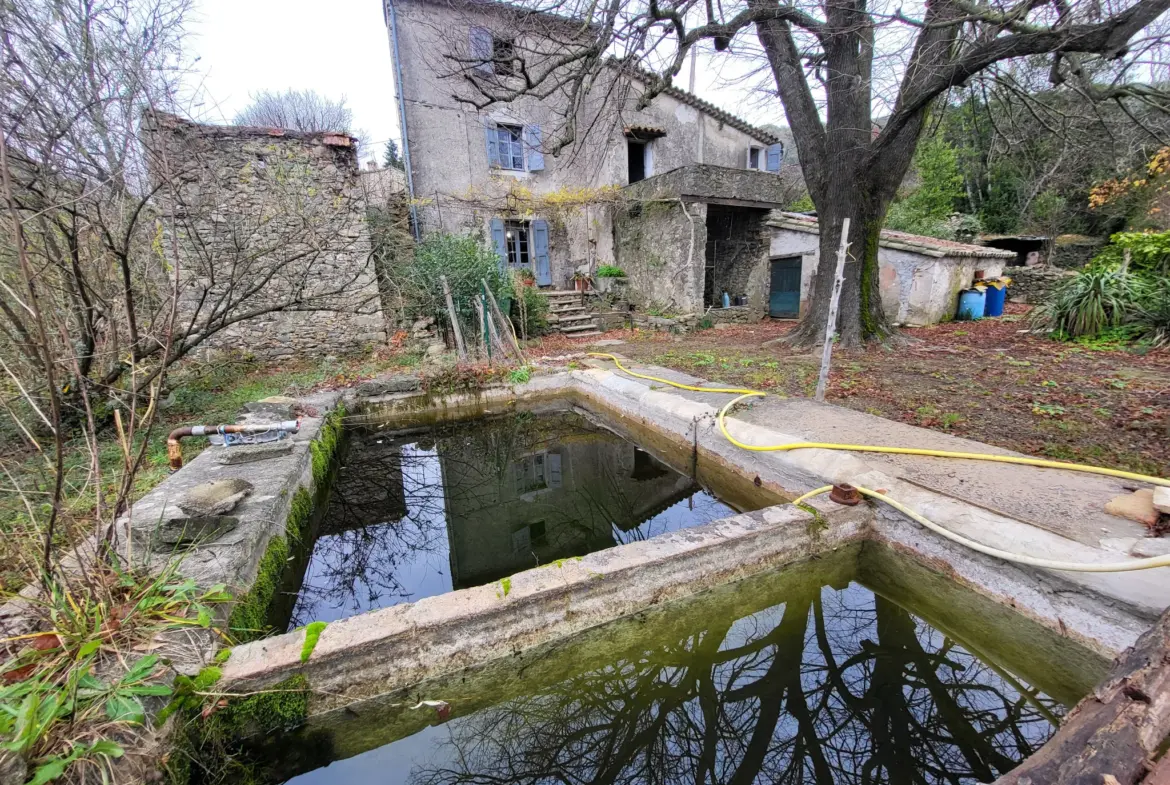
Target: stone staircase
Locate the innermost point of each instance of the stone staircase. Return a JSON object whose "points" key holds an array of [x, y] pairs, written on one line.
{"points": [[567, 314]]}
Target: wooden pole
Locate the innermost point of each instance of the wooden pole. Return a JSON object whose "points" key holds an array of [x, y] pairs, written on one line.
{"points": [[505, 323], [834, 298], [459, 344], [483, 326]]}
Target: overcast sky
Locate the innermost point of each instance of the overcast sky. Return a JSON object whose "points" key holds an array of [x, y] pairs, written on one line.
{"points": [[340, 49]]}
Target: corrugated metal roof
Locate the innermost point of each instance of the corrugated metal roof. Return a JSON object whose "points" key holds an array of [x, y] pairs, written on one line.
{"points": [[900, 241]]}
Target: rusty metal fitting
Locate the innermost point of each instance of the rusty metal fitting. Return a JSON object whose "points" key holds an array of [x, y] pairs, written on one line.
{"points": [[846, 494]]}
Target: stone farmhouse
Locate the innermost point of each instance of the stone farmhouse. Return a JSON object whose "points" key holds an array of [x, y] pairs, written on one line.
{"points": [[466, 167]]}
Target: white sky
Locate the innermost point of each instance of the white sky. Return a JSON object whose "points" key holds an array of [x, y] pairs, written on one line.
{"points": [[341, 49]]}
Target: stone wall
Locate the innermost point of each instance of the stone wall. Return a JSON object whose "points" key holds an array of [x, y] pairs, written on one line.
{"points": [[738, 242], [272, 237], [661, 249], [1033, 284]]}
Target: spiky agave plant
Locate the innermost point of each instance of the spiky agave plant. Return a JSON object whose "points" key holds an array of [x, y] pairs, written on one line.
{"points": [[1153, 313], [1090, 301]]}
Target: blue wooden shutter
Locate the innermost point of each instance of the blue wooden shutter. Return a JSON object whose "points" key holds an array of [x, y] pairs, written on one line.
{"points": [[540, 252], [493, 144], [500, 241], [554, 470], [532, 142], [775, 156], [481, 50]]}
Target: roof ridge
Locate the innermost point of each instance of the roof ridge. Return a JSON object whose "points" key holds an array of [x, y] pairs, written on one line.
{"points": [[687, 97], [892, 238]]}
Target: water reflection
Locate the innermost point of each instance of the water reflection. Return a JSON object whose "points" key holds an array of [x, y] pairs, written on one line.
{"points": [[469, 504], [833, 686]]}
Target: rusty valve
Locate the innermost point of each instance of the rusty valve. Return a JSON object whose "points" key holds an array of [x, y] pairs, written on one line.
{"points": [[845, 493]]}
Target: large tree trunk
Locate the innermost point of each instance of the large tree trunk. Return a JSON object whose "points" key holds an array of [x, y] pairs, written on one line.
{"points": [[861, 316]]}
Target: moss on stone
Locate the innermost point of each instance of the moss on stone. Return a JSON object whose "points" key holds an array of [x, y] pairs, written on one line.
{"points": [[222, 656], [325, 445], [284, 705], [249, 618], [312, 634]]}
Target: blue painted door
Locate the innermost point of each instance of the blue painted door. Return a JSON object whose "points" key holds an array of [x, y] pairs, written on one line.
{"points": [[784, 296]]}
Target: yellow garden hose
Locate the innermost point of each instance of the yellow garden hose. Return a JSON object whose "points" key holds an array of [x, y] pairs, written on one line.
{"points": [[1133, 564], [1047, 564]]}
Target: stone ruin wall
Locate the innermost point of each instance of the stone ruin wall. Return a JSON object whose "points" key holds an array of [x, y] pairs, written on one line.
{"points": [[270, 220]]}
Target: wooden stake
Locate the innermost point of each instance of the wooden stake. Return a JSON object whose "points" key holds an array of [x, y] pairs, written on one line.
{"points": [[834, 298], [462, 347], [505, 323]]}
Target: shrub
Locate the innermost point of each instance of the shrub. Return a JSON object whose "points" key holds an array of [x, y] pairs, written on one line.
{"points": [[1090, 301], [530, 312], [465, 260], [1153, 313], [610, 271]]}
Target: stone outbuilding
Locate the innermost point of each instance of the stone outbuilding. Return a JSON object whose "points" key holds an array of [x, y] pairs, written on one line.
{"points": [[686, 236], [920, 277]]}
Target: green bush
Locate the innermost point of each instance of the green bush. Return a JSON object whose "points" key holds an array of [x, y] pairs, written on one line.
{"points": [[610, 271], [1149, 252], [1091, 301], [465, 260], [533, 320], [1153, 313]]}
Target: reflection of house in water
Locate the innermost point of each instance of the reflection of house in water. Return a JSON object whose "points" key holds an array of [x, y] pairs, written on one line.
{"points": [[524, 491]]}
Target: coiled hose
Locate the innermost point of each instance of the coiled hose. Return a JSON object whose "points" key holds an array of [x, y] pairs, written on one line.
{"points": [[742, 393]]}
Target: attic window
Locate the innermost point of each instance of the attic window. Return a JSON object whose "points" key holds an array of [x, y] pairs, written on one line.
{"points": [[503, 56]]}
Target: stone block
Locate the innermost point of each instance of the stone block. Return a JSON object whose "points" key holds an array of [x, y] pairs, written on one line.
{"points": [[403, 382], [215, 497], [247, 453], [1162, 499], [178, 533], [1137, 506], [279, 407]]}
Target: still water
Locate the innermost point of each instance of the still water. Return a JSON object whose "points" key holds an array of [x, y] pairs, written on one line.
{"points": [[786, 680], [470, 503]]}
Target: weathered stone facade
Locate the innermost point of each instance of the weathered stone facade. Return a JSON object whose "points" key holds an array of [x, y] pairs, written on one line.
{"points": [[272, 237], [684, 261], [457, 186]]}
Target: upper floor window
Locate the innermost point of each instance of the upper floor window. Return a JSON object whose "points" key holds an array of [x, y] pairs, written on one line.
{"points": [[514, 147], [503, 56], [510, 144], [492, 54], [765, 159]]}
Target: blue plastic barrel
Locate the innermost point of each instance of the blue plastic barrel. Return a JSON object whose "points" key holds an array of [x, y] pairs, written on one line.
{"points": [[971, 304], [995, 297]]}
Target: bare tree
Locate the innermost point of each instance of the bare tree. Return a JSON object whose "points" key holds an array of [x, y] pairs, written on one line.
{"points": [[832, 65], [297, 110]]}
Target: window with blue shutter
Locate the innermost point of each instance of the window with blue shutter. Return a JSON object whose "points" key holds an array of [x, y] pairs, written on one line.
{"points": [[500, 240], [532, 142], [543, 266], [481, 50], [493, 147], [775, 156]]}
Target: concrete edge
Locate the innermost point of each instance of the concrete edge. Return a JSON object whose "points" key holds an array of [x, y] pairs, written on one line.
{"points": [[388, 649]]}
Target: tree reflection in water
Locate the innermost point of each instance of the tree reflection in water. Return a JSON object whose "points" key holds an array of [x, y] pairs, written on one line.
{"points": [[830, 687]]}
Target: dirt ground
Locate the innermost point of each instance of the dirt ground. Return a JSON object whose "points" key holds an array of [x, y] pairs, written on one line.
{"points": [[989, 380]]}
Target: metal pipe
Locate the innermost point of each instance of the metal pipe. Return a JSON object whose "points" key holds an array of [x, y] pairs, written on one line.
{"points": [[175, 450], [392, 18]]}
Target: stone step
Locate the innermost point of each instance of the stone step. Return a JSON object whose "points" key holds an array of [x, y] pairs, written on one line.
{"points": [[561, 292], [585, 334], [567, 309], [576, 328], [576, 317]]}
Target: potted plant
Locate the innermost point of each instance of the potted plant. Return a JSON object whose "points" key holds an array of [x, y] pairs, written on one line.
{"points": [[580, 281], [526, 277], [608, 277]]}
